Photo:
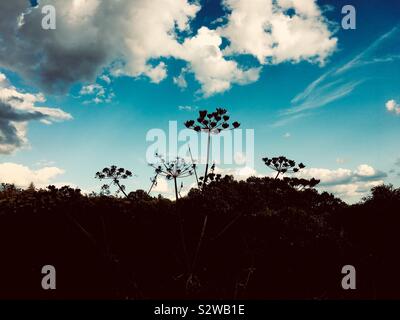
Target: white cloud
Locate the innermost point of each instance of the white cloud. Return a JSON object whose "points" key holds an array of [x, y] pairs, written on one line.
{"points": [[180, 80], [106, 79], [130, 37], [393, 106], [92, 89], [264, 29], [17, 108], [347, 184], [365, 170], [211, 69], [187, 108], [22, 176], [99, 93], [240, 173]]}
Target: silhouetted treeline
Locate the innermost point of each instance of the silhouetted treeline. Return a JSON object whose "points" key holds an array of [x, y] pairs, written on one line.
{"points": [[261, 238]]}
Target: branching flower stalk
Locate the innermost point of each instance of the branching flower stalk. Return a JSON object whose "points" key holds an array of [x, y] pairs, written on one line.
{"points": [[211, 123], [172, 170], [114, 174], [282, 165], [194, 167], [153, 183]]}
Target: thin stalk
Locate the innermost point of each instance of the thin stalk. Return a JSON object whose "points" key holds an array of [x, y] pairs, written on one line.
{"points": [[82, 229], [208, 158], [203, 231], [279, 171], [120, 188], [195, 171], [153, 184], [176, 189], [227, 227]]}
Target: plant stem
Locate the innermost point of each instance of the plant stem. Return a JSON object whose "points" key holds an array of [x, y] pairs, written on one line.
{"points": [[203, 230], [120, 188], [176, 189], [279, 171], [208, 158], [153, 184], [195, 171], [227, 226]]}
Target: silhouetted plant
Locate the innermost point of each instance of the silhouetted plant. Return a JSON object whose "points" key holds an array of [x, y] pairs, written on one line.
{"points": [[211, 123], [211, 177], [283, 165], [114, 174], [257, 228], [194, 167], [153, 183], [172, 170]]}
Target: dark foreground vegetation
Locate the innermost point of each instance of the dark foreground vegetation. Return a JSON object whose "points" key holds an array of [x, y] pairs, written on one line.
{"points": [[261, 238]]}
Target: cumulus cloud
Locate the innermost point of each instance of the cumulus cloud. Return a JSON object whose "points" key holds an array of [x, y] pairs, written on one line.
{"points": [[347, 184], [22, 176], [267, 30], [393, 106], [214, 72], [135, 37], [16, 110]]}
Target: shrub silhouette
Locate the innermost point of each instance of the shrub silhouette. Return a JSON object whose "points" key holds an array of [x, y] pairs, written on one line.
{"points": [[210, 177], [265, 239]]}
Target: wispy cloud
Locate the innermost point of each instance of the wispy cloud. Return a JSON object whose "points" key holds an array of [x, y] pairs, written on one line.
{"points": [[341, 80], [187, 108], [369, 56]]}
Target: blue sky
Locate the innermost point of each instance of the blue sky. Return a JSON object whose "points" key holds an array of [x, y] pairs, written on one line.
{"points": [[341, 122]]}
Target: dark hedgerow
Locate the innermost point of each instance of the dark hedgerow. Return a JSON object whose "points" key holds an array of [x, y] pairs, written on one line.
{"points": [[265, 238]]}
